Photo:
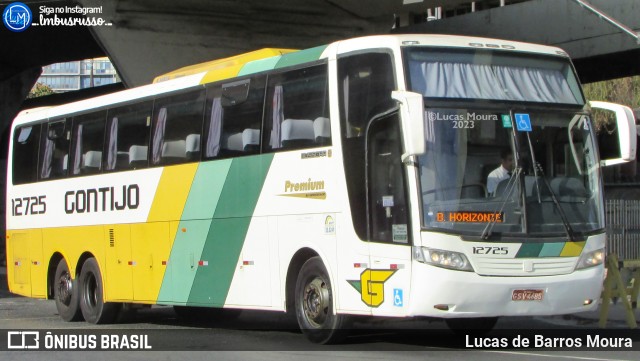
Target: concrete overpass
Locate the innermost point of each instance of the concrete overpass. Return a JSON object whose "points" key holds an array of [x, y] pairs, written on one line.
{"points": [[150, 37]]}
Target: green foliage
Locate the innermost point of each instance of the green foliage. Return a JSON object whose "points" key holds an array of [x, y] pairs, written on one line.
{"points": [[39, 90], [624, 91]]}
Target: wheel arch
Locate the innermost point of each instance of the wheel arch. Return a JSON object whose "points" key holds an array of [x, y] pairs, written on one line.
{"points": [[56, 257], [298, 259], [83, 257]]}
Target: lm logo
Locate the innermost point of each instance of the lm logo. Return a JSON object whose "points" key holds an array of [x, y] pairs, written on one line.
{"points": [[17, 17], [371, 285]]}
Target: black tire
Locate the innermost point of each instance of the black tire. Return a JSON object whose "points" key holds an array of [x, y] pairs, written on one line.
{"points": [[65, 293], [94, 309], [471, 326], [314, 305]]}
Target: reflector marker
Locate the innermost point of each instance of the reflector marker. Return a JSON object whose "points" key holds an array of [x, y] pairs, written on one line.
{"points": [[203, 263], [247, 263], [131, 263], [360, 265], [396, 266]]}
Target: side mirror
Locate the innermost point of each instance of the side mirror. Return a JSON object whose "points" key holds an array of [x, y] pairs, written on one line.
{"points": [[625, 123], [411, 121]]}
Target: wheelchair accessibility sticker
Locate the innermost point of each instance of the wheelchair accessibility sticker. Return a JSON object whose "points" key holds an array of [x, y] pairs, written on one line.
{"points": [[523, 122], [398, 300]]}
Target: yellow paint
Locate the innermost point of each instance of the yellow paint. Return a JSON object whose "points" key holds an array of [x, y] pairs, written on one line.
{"points": [[222, 68], [18, 267], [118, 278], [572, 249], [37, 265], [309, 195], [171, 194], [372, 282], [147, 245], [72, 242], [150, 245]]}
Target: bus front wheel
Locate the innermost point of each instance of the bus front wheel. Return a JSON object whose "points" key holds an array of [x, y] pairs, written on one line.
{"points": [[314, 304], [92, 304], [65, 293]]}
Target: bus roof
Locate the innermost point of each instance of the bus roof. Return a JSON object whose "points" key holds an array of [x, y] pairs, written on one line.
{"points": [[222, 64], [272, 58]]}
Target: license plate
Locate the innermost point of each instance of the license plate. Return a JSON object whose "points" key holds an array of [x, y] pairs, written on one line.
{"points": [[527, 295]]}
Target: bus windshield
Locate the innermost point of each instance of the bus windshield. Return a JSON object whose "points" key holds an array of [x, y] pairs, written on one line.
{"points": [[464, 74], [482, 176]]}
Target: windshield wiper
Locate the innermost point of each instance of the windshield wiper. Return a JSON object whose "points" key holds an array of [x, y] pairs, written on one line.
{"points": [[563, 216], [511, 185], [537, 169]]}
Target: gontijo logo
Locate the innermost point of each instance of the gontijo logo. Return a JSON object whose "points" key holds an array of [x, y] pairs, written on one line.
{"points": [[17, 17]]}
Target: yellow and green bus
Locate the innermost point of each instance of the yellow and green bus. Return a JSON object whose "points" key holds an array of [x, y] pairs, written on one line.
{"points": [[347, 179]]}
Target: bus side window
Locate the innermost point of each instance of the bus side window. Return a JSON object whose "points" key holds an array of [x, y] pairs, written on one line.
{"points": [[25, 154], [387, 202], [87, 143], [128, 137], [54, 149], [365, 82], [241, 116], [297, 113], [177, 122]]}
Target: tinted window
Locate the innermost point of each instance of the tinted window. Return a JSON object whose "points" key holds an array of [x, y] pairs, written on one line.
{"points": [[365, 83], [54, 149], [241, 119], [88, 140], [25, 154], [298, 111], [128, 137], [177, 128]]}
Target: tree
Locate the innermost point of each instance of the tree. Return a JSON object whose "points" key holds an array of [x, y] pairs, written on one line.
{"points": [[39, 90], [624, 91]]}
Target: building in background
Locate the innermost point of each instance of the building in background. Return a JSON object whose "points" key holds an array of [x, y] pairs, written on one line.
{"points": [[76, 75]]}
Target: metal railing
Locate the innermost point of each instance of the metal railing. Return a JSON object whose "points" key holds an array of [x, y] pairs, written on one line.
{"points": [[622, 218]]}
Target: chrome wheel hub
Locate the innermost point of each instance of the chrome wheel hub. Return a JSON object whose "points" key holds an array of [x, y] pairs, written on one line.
{"points": [[316, 302]]}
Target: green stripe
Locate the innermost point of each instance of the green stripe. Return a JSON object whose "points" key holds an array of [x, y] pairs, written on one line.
{"points": [[193, 230], [229, 228], [206, 189], [529, 250], [300, 57], [183, 261], [257, 66], [243, 186], [552, 249]]}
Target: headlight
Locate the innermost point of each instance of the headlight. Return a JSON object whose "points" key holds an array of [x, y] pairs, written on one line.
{"points": [[591, 259], [440, 258]]}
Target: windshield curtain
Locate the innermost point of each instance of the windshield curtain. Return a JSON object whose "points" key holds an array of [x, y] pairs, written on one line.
{"points": [[492, 75], [478, 172]]}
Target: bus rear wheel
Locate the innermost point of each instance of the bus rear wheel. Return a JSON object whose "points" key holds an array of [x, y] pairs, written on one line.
{"points": [[314, 304], [65, 293], [94, 309]]}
